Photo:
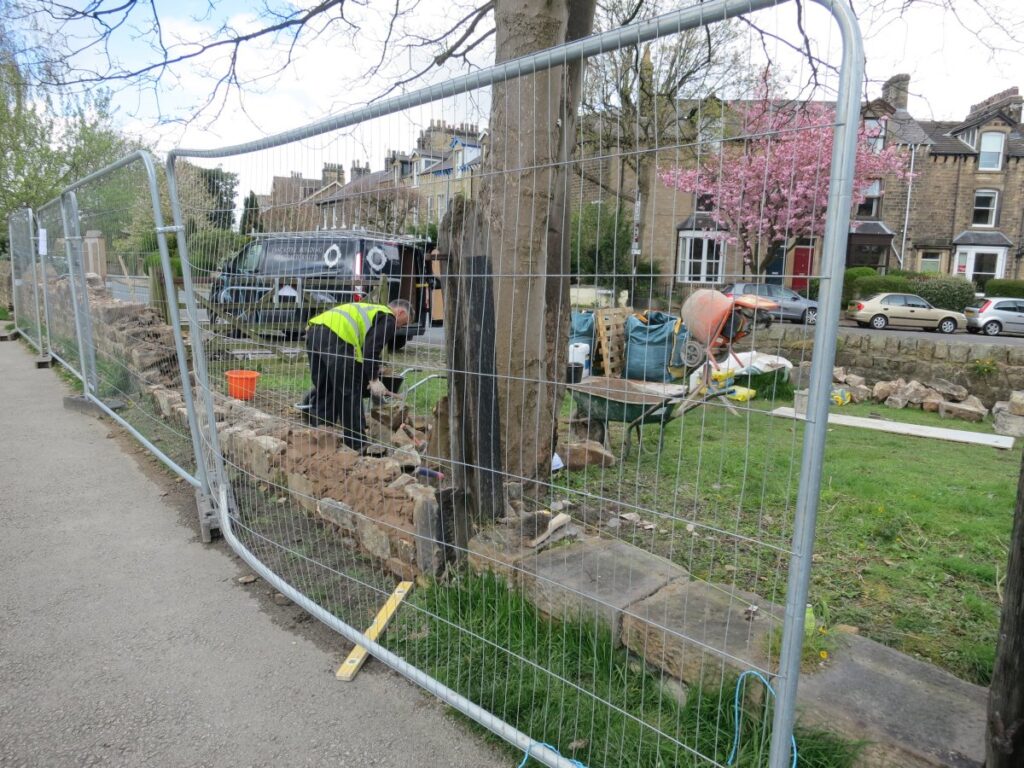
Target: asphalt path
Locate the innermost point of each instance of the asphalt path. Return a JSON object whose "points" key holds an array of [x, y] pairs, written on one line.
{"points": [[124, 641]]}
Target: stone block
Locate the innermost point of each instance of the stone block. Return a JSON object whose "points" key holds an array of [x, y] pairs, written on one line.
{"points": [[872, 693], [959, 353], [931, 402], [586, 454], [594, 579], [498, 550], [884, 389], [962, 411], [860, 393], [948, 389], [908, 346], [1016, 402], [1006, 423], [941, 351], [426, 517], [303, 491], [915, 392], [925, 349], [374, 538], [338, 513], [853, 380], [1015, 356], [695, 631], [800, 375], [896, 400], [839, 375]]}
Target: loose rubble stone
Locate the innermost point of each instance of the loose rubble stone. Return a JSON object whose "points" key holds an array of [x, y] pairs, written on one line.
{"points": [[859, 393], [1006, 423], [853, 380], [884, 389], [948, 410], [931, 401], [949, 390], [1016, 402], [839, 375], [588, 453]]}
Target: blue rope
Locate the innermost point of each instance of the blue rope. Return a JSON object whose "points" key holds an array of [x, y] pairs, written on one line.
{"points": [[526, 757], [736, 713]]}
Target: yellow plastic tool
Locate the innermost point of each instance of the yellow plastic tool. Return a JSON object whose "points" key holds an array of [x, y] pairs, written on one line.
{"points": [[351, 666]]}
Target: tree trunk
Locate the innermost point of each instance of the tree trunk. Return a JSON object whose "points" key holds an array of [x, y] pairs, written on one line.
{"points": [[532, 130], [1004, 743]]}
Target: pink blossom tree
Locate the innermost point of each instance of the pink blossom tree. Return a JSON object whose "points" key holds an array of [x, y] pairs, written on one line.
{"points": [[769, 186]]}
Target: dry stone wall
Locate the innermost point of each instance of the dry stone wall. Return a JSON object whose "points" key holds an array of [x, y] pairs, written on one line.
{"points": [[5, 284], [988, 371]]}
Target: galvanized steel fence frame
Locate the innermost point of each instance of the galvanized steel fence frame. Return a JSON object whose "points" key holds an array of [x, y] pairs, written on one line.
{"points": [[209, 477]]}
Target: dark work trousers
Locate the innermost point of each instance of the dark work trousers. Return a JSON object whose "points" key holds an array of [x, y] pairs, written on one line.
{"points": [[338, 385]]}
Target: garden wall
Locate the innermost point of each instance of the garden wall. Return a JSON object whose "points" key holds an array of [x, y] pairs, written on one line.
{"points": [[988, 371]]}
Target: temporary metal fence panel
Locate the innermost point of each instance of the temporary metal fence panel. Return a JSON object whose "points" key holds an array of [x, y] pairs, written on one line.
{"points": [[25, 277], [592, 547], [133, 345], [59, 299]]}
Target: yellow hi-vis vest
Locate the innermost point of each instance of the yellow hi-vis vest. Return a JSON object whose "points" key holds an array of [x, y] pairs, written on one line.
{"points": [[351, 322]]}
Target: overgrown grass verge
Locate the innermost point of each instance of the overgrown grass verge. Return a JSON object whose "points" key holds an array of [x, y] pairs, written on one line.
{"points": [[565, 684]]}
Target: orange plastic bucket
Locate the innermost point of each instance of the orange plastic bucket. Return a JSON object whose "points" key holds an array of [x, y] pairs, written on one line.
{"points": [[242, 384]]}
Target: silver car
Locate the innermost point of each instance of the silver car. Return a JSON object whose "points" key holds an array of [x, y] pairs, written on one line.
{"points": [[792, 306], [995, 315]]}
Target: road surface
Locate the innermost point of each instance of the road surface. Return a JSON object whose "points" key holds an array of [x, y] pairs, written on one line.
{"points": [[126, 642]]}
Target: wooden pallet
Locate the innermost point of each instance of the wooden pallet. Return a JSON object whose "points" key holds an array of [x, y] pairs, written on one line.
{"points": [[610, 335]]}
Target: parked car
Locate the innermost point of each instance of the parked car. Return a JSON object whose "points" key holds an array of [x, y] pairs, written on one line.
{"points": [[903, 310], [994, 315], [792, 306], [307, 272]]}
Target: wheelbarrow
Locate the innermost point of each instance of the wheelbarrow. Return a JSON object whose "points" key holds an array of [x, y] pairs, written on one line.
{"points": [[603, 399]]}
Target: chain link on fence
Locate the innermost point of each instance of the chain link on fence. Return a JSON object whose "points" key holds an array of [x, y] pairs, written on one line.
{"points": [[581, 463]]}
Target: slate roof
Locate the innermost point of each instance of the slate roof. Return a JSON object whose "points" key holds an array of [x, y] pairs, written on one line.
{"points": [[904, 129], [870, 228], [699, 222], [971, 237], [942, 142]]}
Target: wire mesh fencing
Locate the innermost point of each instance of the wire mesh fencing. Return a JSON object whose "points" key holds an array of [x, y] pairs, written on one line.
{"points": [[130, 328], [529, 340], [26, 273], [558, 287], [58, 289]]}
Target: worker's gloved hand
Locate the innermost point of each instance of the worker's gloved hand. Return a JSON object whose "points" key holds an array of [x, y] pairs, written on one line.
{"points": [[378, 391]]}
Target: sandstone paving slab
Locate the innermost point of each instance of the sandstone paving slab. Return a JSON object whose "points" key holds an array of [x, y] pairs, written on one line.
{"points": [[595, 577], [912, 714]]}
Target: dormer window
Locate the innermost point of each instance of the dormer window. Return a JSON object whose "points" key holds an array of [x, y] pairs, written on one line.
{"points": [[970, 137], [990, 156]]}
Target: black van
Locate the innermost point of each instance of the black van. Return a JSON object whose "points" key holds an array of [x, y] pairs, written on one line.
{"points": [[308, 272]]}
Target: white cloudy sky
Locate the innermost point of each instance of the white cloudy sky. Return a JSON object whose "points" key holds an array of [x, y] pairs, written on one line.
{"points": [[951, 67]]}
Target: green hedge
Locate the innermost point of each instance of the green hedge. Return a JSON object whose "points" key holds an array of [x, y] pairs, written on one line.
{"points": [[944, 291], [863, 287], [1010, 288]]}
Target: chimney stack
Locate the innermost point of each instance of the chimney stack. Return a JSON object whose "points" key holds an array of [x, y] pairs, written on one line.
{"points": [[895, 91]]}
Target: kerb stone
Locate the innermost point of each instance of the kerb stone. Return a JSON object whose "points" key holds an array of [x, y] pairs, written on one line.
{"points": [[677, 628], [911, 714], [594, 578]]}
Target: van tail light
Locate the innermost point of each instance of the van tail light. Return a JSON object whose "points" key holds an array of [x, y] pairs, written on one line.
{"points": [[357, 296], [358, 270], [984, 307]]}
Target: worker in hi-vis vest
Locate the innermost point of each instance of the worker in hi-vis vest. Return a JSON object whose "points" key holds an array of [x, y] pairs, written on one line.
{"points": [[345, 346]]}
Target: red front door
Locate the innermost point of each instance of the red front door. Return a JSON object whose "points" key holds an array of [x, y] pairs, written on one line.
{"points": [[802, 256]]}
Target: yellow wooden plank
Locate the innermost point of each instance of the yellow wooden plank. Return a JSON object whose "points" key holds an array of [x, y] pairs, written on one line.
{"points": [[351, 666]]}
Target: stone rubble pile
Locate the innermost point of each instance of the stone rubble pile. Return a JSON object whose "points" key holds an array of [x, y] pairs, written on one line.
{"points": [[949, 400]]}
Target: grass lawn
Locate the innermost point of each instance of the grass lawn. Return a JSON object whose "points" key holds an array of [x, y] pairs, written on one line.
{"points": [[565, 684], [912, 533]]}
